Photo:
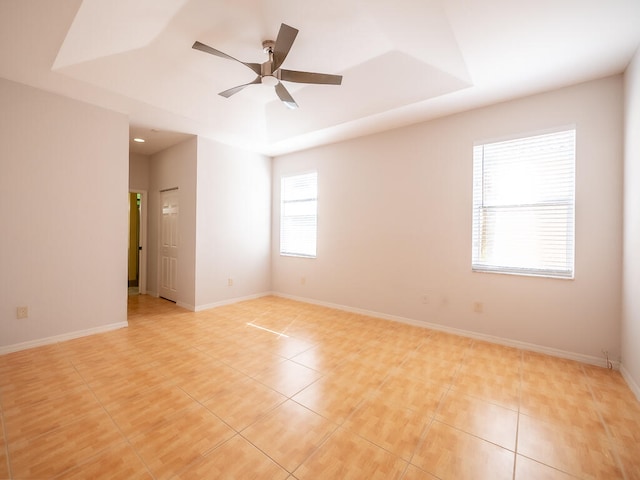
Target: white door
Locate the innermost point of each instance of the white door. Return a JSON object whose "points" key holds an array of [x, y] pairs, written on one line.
{"points": [[169, 245]]}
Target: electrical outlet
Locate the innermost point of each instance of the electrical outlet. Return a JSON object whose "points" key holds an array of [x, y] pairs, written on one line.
{"points": [[230, 282], [425, 299], [303, 280], [478, 307], [22, 312]]}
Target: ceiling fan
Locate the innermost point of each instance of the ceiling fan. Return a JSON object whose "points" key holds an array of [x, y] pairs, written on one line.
{"points": [[269, 72]]}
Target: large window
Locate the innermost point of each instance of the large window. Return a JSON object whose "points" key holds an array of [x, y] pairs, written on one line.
{"points": [[298, 214], [523, 205]]}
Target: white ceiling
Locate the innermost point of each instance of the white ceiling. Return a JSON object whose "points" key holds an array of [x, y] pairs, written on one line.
{"points": [[402, 61]]}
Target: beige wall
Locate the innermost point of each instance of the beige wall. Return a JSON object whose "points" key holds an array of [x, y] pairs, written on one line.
{"points": [[394, 224], [63, 191], [631, 286], [233, 223], [138, 172]]}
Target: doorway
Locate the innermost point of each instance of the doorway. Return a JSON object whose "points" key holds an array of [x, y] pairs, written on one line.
{"points": [[137, 265]]}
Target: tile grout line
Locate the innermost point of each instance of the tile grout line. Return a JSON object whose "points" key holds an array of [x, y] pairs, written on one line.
{"points": [[491, 402], [261, 417], [56, 346], [236, 431], [536, 460], [290, 398], [200, 403], [6, 439], [126, 438], [386, 378], [313, 452], [428, 425], [520, 391], [613, 445], [203, 455], [340, 425]]}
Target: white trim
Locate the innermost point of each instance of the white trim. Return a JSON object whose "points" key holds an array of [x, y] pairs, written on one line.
{"points": [[188, 306], [635, 388], [588, 359], [61, 338], [142, 256], [530, 133], [230, 301], [144, 200], [158, 258]]}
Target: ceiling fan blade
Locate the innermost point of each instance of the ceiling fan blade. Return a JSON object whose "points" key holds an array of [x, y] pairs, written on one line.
{"points": [[285, 39], [310, 77], [234, 90], [285, 96], [207, 49]]}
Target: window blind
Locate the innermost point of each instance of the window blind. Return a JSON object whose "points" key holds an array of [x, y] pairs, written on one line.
{"points": [[298, 215], [523, 205]]}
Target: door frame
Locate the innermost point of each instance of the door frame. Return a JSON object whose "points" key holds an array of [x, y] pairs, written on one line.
{"points": [[142, 257], [173, 190]]}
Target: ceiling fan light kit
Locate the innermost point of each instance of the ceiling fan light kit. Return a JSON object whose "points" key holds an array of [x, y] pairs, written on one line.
{"points": [[269, 73]]}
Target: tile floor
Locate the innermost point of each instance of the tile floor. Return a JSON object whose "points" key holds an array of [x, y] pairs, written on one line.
{"points": [[220, 394]]}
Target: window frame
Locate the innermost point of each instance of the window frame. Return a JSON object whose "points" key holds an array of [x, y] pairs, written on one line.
{"points": [[479, 262], [284, 201]]}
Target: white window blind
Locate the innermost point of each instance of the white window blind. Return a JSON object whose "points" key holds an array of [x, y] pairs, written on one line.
{"points": [[298, 215], [523, 205]]}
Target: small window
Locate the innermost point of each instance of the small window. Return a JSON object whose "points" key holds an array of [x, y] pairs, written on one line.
{"points": [[298, 215], [523, 205]]}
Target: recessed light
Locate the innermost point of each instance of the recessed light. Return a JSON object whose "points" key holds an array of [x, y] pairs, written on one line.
{"points": [[138, 140]]}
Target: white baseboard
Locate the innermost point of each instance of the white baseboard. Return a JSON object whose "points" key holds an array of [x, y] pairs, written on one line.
{"points": [[114, 326], [230, 301], [588, 359], [633, 386], [61, 338]]}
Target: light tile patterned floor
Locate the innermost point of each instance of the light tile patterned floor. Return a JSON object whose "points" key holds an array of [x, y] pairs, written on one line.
{"points": [[276, 389]]}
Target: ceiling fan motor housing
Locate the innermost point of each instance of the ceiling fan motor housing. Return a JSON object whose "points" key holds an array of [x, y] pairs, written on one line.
{"points": [[268, 46]]}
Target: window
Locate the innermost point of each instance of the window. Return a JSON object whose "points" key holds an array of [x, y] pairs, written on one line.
{"points": [[523, 205], [298, 215]]}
